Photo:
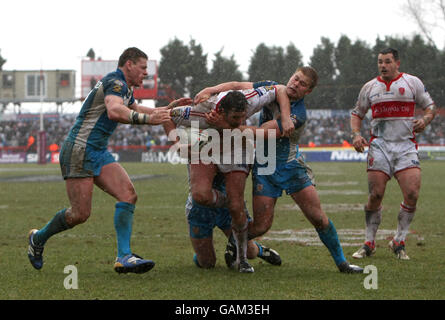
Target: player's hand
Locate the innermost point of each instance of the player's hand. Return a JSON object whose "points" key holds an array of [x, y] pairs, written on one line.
{"points": [[419, 125], [359, 143], [159, 116], [202, 96], [288, 126], [180, 102], [216, 119]]}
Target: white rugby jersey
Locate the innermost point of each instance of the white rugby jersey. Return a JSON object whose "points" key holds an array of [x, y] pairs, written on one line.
{"points": [[256, 100], [392, 104]]}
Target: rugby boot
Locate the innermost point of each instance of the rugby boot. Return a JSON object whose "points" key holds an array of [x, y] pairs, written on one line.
{"points": [[367, 250], [35, 252], [132, 263], [345, 267], [399, 249]]}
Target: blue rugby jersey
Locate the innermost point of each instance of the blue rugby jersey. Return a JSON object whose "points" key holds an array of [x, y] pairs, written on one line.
{"points": [[286, 148], [93, 127]]}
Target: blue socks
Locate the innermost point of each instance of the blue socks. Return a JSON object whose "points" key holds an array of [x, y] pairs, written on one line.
{"points": [[56, 225], [123, 223], [329, 238], [260, 249]]}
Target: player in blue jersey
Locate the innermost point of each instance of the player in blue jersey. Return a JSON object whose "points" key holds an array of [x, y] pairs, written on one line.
{"points": [[202, 221], [85, 161], [291, 174]]}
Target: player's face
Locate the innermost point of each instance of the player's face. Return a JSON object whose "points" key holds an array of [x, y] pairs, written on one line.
{"points": [[298, 86], [388, 67], [235, 118], [137, 72]]}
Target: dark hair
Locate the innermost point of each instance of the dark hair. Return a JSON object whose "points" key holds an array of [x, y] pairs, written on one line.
{"points": [[394, 53], [132, 54], [311, 73], [234, 101]]}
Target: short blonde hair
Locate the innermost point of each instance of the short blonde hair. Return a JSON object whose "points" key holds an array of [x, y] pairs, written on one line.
{"points": [[311, 73]]}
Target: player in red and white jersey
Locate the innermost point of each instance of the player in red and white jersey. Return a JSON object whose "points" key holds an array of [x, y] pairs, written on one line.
{"points": [[392, 98], [236, 106], [256, 100]]}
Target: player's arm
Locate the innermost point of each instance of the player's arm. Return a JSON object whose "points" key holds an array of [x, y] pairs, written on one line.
{"points": [[205, 93], [428, 116], [358, 141], [284, 103], [265, 130], [135, 114]]}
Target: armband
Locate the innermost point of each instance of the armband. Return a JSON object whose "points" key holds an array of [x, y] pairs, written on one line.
{"points": [[432, 107], [138, 118]]}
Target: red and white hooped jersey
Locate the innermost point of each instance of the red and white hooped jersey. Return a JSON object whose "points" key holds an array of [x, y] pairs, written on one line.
{"points": [[256, 100], [392, 104]]}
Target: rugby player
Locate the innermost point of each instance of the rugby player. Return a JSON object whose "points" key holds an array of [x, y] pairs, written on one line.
{"points": [[292, 174], [392, 97], [235, 106], [203, 220], [85, 161]]}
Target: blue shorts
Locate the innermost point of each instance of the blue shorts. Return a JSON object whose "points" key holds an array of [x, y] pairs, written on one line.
{"points": [[290, 176], [202, 220], [78, 161]]}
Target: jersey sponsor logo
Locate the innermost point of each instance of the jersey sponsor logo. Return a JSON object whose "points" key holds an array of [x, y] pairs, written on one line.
{"points": [[181, 112], [117, 87], [393, 109]]}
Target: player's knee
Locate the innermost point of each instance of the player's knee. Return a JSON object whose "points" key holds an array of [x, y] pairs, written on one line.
{"points": [[202, 198], [258, 229], [376, 196], [207, 263], [411, 197], [130, 196], [78, 217]]}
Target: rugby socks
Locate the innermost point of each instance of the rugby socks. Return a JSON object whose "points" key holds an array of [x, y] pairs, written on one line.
{"points": [[373, 220], [55, 225], [260, 249], [406, 215], [241, 241], [195, 260], [123, 223], [329, 238]]}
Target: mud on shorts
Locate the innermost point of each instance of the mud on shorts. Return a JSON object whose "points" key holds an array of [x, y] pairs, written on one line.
{"points": [[77, 161], [292, 176], [202, 220], [391, 157]]}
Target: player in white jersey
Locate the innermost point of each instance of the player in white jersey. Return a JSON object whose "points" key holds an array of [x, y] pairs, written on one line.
{"points": [[235, 106], [392, 98]]}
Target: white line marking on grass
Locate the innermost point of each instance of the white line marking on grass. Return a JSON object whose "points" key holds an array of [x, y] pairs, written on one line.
{"points": [[328, 207], [348, 237]]}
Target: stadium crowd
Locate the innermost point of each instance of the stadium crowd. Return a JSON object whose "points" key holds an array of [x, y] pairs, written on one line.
{"points": [[321, 131]]}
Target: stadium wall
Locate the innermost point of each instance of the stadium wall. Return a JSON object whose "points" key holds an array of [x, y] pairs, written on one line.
{"points": [[161, 155]]}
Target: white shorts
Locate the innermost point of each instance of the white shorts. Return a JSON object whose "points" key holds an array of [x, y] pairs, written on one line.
{"points": [[226, 168], [391, 157]]}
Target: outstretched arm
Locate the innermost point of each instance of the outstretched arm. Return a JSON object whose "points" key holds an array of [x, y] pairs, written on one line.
{"points": [[134, 114], [205, 93]]}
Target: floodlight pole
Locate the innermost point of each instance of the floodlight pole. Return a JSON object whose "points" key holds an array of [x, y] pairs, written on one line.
{"points": [[41, 139]]}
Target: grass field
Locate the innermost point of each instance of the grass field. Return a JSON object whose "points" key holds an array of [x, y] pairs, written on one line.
{"points": [[30, 195]]}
